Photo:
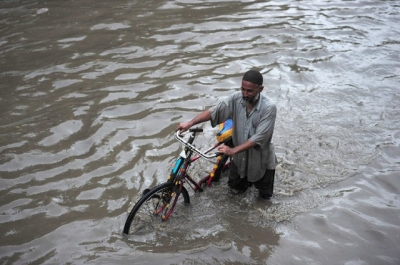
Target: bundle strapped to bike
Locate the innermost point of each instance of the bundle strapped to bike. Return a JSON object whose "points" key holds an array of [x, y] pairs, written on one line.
{"points": [[225, 131]]}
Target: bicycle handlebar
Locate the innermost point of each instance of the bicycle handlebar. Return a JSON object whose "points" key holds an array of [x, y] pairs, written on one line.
{"points": [[192, 147]]}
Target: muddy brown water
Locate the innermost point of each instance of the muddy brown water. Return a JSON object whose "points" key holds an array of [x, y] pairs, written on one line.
{"points": [[91, 92]]}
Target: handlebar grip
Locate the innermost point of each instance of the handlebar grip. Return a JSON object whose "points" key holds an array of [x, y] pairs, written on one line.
{"points": [[196, 130]]}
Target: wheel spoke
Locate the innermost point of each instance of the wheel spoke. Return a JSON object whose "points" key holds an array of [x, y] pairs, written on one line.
{"points": [[155, 206]]}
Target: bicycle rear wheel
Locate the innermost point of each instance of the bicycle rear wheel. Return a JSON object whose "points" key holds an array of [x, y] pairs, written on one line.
{"points": [[155, 206]]}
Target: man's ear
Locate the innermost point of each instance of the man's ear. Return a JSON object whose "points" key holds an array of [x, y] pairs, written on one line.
{"points": [[261, 88]]}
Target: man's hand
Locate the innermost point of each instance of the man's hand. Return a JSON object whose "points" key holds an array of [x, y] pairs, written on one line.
{"points": [[202, 117], [226, 150], [184, 126]]}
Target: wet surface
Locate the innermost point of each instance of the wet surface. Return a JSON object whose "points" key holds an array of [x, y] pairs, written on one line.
{"points": [[91, 94]]}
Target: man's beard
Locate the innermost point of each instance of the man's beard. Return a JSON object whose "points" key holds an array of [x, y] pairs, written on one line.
{"points": [[251, 100]]}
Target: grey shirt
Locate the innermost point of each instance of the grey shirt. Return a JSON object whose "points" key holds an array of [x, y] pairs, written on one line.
{"points": [[257, 127]]}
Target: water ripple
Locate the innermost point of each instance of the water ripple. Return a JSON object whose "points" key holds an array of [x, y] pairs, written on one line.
{"points": [[91, 97]]}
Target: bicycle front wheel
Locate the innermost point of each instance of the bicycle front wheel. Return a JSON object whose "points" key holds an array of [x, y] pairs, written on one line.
{"points": [[155, 206]]}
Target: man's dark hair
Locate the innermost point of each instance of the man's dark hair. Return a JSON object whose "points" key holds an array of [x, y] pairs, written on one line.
{"points": [[254, 77]]}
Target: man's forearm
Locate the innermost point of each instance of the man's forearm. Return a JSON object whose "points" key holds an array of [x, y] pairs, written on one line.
{"points": [[243, 147], [202, 117]]}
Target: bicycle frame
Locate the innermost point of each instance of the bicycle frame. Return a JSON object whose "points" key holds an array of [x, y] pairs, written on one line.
{"points": [[185, 159]]}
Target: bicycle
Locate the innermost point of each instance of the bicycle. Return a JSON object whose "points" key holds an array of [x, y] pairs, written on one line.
{"points": [[159, 202]]}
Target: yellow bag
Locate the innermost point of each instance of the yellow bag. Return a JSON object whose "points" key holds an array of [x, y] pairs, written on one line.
{"points": [[225, 131]]}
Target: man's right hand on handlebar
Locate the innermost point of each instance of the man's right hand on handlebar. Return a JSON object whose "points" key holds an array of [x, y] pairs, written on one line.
{"points": [[184, 126], [202, 117]]}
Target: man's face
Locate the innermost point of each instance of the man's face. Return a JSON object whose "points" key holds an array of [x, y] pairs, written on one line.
{"points": [[250, 91]]}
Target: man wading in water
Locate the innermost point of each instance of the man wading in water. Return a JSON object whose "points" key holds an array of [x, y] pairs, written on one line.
{"points": [[253, 118]]}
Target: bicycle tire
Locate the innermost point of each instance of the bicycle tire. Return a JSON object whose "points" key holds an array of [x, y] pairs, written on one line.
{"points": [[152, 206], [220, 168]]}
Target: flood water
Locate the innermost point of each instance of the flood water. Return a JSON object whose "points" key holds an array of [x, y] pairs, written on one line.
{"points": [[92, 91]]}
